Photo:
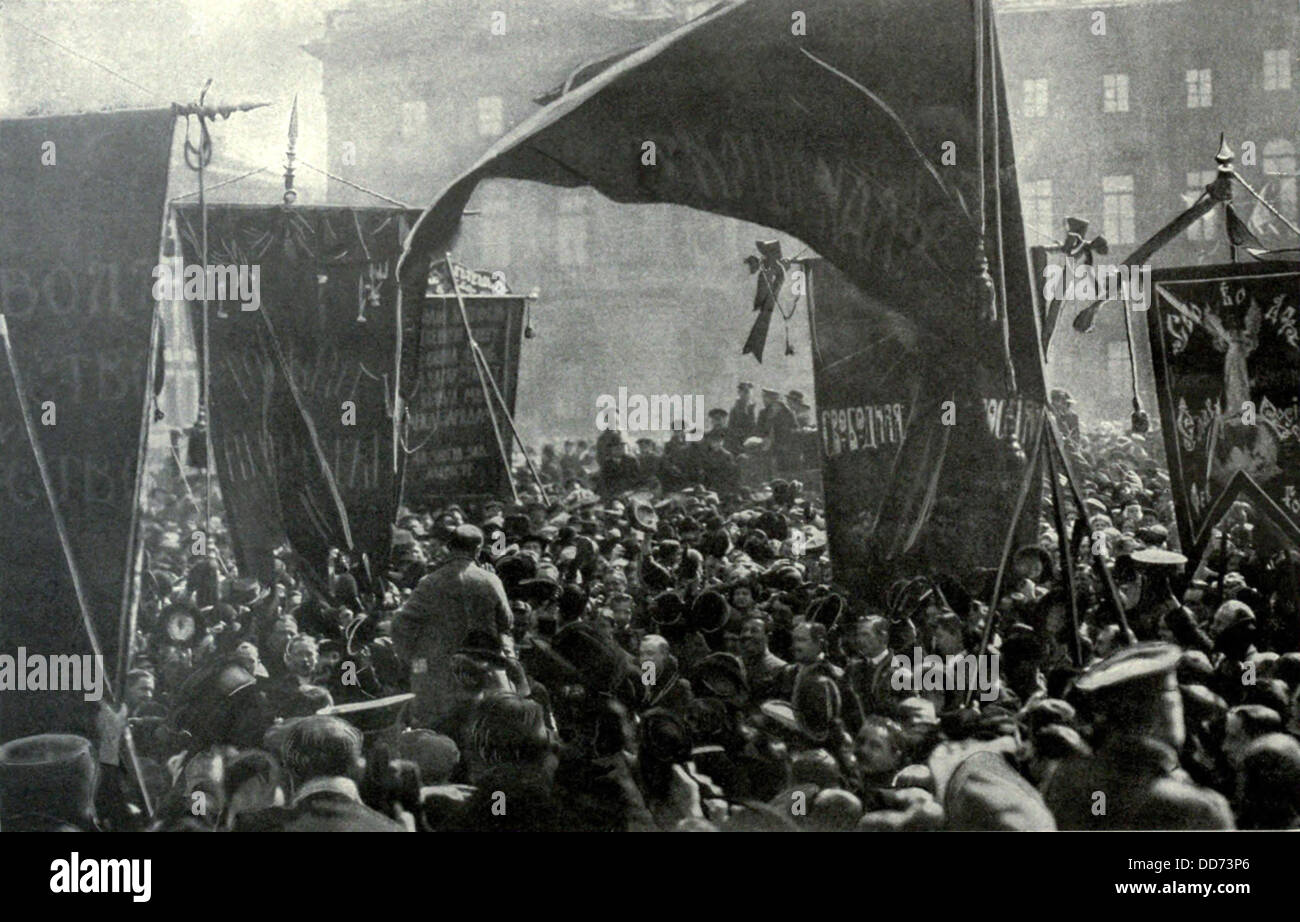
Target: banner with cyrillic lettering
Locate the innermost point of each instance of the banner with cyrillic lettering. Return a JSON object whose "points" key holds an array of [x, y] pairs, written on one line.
{"points": [[449, 450], [1226, 349], [81, 212], [948, 507]]}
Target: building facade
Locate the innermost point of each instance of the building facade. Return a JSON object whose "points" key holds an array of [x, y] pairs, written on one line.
{"points": [[654, 298], [1117, 108]]}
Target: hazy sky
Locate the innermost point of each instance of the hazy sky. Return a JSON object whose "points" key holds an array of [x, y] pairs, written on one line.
{"points": [[251, 49]]}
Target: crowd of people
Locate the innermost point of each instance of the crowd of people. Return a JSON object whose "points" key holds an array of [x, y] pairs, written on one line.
{"points": [[739, 446], [682, 659]]}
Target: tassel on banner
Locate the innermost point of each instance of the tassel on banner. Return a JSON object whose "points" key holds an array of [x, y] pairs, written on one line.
{"points": [[986, 299]]}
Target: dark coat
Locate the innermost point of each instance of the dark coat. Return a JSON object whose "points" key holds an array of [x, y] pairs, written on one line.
{"points": [[457, 597], [1143, 786], [326, 811], [872, 683]]}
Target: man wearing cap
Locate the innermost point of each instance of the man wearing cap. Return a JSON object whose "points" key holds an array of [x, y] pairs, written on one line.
{"points": [[1233, 629], [802, 412], [1062, 408], [780, 432], [456, 597], [740, 422], [717, 467], [1134, 780]]}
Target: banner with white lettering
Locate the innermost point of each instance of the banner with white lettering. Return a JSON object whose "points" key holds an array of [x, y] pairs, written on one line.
{"points": [[948, 506], [448, 449], [81, 210], [1226, 348]]}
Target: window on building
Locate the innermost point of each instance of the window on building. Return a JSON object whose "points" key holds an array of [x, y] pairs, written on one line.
{"points": [[1200, 89], [571, 228], [1039, 221], [415, 118], [1197, 180], [1035, 101], [1279, 164], [1118, 210], [491, 116], [1277, 69], [1115, 92]]}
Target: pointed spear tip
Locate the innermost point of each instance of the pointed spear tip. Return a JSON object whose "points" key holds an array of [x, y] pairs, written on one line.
{"points": [[1225, 155]]}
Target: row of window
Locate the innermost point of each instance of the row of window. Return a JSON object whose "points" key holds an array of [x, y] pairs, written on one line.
{"points": [[1199, 83], [490, 112], [582, 227], [1118, 210]]}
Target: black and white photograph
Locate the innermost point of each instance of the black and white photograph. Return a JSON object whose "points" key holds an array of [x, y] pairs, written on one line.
{"points": [[598, 416]]}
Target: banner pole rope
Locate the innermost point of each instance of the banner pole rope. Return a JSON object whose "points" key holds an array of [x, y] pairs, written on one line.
{"points": [[487, 397], [505, 411]]}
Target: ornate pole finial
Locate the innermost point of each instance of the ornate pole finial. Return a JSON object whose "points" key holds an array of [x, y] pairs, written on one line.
{"points": [[291, 194], [1221, 189]]}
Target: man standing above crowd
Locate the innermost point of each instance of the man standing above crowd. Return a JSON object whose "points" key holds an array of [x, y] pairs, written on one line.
{"points": [[740, 422], [456, 597], [780, 433]]}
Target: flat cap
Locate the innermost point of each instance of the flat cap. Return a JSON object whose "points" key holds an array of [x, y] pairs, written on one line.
{"points": [[1131, 664], [1158, 557]]}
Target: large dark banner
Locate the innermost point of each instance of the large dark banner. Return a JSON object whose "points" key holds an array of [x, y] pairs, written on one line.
{"points": [[81, 212], [863, 147], [1226, 346], [448, 450], [327, 315], [872, 380]]}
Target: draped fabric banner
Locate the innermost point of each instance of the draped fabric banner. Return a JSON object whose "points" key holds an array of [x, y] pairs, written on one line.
{"points": [[872, 383], [449, 451], [1226, 347], [862, 146], [308, 374], [81, 212]]}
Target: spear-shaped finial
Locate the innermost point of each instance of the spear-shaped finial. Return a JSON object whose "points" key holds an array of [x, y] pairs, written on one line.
{"points": [[1221, 189], [290, 194]]}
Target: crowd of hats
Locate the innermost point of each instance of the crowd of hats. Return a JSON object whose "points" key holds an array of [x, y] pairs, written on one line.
{"points": [[764, 708]]}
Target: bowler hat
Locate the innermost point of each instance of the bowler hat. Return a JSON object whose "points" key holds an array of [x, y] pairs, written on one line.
{"points": [[722, 675], [667, 608], [709, 612]]}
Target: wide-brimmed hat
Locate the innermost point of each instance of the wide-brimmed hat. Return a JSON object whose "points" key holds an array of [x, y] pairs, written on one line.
{"points": [[667, 608], [709, 612], [644, 517]]}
